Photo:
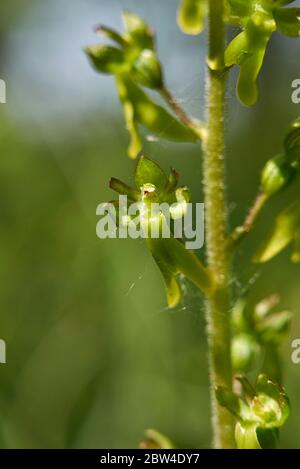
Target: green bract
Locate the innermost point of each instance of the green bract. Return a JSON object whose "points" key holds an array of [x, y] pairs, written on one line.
{"points": [[284, 231], [258, 19], [134, 62], [170, 254], [260, 411], [191, 16]]}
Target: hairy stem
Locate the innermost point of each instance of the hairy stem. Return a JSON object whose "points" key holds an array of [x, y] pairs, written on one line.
{"points": [[218, 306]]}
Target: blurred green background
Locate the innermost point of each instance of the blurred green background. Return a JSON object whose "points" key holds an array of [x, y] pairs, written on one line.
{"points": [[93, 355]]}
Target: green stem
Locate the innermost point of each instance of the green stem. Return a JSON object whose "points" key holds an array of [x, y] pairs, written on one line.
{"points": [[240, 232], [218, 306]]}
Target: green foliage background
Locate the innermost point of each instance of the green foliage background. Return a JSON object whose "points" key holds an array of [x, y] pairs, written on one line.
{"points": [[93, 355]]}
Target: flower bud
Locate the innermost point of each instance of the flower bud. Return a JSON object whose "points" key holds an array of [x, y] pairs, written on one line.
{"points": [[106, 59], [244, 352], [292, 143], [271, 404], [147, 70], [260, 411], [191, 16], [138, 31], [276, 174]]}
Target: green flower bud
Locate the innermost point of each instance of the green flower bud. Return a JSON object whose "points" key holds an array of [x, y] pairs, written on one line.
{"points": [[292, 143], [244, 352], [147, 70], [260, 413], [288, 21], [191, 16], [139, 32], [276, 174], [106, 59], [271, 405]]}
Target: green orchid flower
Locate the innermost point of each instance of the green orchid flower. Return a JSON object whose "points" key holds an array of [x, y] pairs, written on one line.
{"points": [[259, 19], [260, 411], [169, 253], [134, 63]]}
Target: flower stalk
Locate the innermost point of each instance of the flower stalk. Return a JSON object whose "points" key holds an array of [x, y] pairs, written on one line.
{"points": [[218, 306]]}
